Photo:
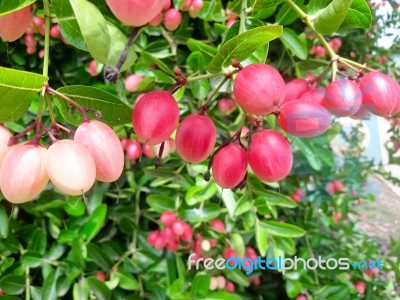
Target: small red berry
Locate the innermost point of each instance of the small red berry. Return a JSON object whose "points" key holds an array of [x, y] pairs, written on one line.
{"points": [[360, 286], [168, 218], [101, 276], [230, 287], [295, 89], [172, 19], [218, 225], [178, 227]]}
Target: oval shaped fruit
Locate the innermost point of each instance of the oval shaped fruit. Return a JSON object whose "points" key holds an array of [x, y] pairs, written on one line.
{"points": [[304, 119], [132, 82], [172, 19], [270, 156], [314, 95], [5, 135], [259, 89], [23, 173], [13, 25], [226, 105], [343, 98], [195, 138], [229, 166], [380, 93], [133, 150], [295, 88], [71, 167], [105, 148], [136, 12], [155, 117]]}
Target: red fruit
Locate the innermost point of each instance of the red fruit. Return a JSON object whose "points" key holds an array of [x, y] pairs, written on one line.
{"points": [[167, 218], [370, 272], [160, 243], [330, 188], [221, 282], [295, 89], [195, 138], [55, 32], [172, 246], [101, 276], [343, 98], [304, 119], [256, 281], [270, 156], [148, 151], [1, 292], [167, 234], [300, 192], [178, 227], [30, 41], [5, 136], [337, 217], [136, 12], [301, 297], [186, 5], [157, 20], [218, 225], [187, 234], [167, 4], [338, 186], [225, 105], [197, 5], [14, 25], [230, 22], [23, 173], [229, 166], [229, 253], [132, 82], [93, 68], [259, 89], [133, 150], [155, 117], [213, 283], [230, 287], [71, 167], [152, 237], [360, 287], [172, 19], [380, 93], [314, 95], [105, 148]]}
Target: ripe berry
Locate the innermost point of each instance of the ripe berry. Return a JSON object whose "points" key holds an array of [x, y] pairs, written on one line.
{"points": [[23, 173], [330, 188], [229, 166], [93, 68], [14, 25], [101, 276], [225, 105], [301, 297], [380, 93], [213, 283], [338, 185], [152, 237], [197, 5], [55, 32], [343, 98], [136, 12], [304, 119], [133, 150], [221, 282], [259, 89], [195, 138], [167, 234], [186, 5], [218, 225], [256, 281], [172, 19], [5, 136], [167, 4], [270, 156], [296, 88], [167, 218], [314, 95], [178, 227], [230, 287], [187, 234], [172, 246], [155, 117], [132, 82], [360, 287], [71, 167], [337, 217], [105, 148], [157, 20]]}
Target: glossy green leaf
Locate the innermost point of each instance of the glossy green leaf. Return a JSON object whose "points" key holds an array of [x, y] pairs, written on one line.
{"points": [[293, 288], [206, 50], [95, 223], [276, 199], [220, 295], [50, 285], [237, 276], [228, 198], [237, 244], [99, 257], [200, 286], [359, 16], [296, 45], [99, 288], [261, 4], [329, 19], [197, 194], [126, 280], [309, 152], [244, 204], [17, 89], [210, 211], [160, 203], [282, 229], [113, 111], [12, 284], [287, 15], [32, 259], [261, 234], [196, 61], [200, 88], [4, 228], [7, 6], [80, 290], [243, 45]]}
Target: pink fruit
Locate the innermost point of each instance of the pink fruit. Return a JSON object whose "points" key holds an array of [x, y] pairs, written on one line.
{"points": [[172, 246], [152, 237], [101, 276], [314, 95], [218, 225], [132, 82], [71, 167], [213, 283], [187, 234], [167, 234], [157, 20], [221, 282], [178, 227], [195, 138], [136, 12], [172, 19], [105, 148], [337, 217], [30, 41], [295, 89], [256, 281], [5, 136], [55, 32], [270, 156], [93, 68], [338, 186], [186, 5], [167, 218], [167, 4], [23, 173], [155, 117], [301, 297], [304, 119], [159, 243], [259, 89], [230, 22], [360, 287], [330, 188], [197, 5], [380, 93], [343, 98], [229, 166], [225, 105], [230, 287], [14, 25], [133, 150]]}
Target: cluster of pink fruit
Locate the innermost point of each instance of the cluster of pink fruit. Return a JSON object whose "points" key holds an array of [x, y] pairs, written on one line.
{"points": [[220, 282], [298, 195], [174, 232], [334, 187], [72, 165]]}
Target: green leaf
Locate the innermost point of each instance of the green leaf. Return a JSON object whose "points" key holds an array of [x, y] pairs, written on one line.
{"points": [[243, 45], [261, 4], [17, 89], [317, 5], [276, 199], [99, 288], [296, 45], [293, 288], [282, 229], [329, 19], [4, 229], [228, 197], [197, 194], [126, 280], [200, 286], [286, 244], [94, 29], [200, 88], [96, 221], [237, 244], [261, 238], [237, 276], [81, 290], [210, 211], [12, 284], [113, 111], [7, 6], [309, 152], [244, 204], [287, 15], [196, 61], [206, 50], [99, 257], [49, 286], [222, 296], [160, 203], [32, 259], [359, 16]]}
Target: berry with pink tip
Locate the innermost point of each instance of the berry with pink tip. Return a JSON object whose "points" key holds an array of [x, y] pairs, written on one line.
{"points": [[132, 82], [337, 217], [229, 286], [296, 88], [187, 234], [338, 186], [230, 22], [55, 32], [301, 297], [172, 246], [152, 237], [360, 286], [167, 234], [218, 225], [330, 188], [172, 19], [133, 150], [159, 243], [101, 276], [30, 41], [93, 68], [185, 6], [167, 4], [226, 105], [197, 5], [168, 218], [178, 227]]}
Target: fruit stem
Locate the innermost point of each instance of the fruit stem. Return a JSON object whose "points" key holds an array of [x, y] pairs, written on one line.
{"points": [[159, 157], [49, 134], [27, 285], [46, 38], [216, 90], [356, 64], [14, 139], [51, 110], [39, 118], [243, 14], [207, 76]]}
